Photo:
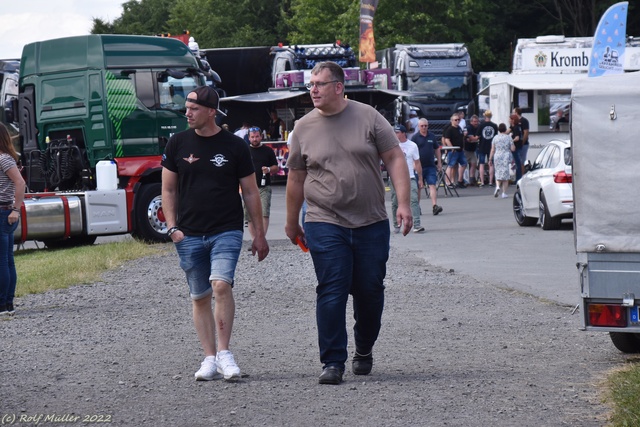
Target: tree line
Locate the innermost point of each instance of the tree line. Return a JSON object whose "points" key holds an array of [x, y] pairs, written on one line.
{"points": [[490, 28]]}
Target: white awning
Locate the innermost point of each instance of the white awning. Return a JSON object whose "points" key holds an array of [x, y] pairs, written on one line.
{"points": [[545, 81], [270, 96]]}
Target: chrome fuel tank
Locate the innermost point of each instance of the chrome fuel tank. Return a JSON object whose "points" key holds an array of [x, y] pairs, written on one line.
{"points": [[50, 217]]}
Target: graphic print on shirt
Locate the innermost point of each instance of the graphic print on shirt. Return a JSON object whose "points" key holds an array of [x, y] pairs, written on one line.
{"points": [[218, 160], [191, 159]]}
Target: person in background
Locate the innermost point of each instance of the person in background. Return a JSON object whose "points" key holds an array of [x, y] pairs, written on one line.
{"points": [[276, 127], [515, 131], [429, 156], [243, 132], [346, 227], [203, 167], [471, 146], [453, 136], [412, 124], [501, 148], [265, 163], [412, 157], [524, 125], [487, 131], [12, 188]]}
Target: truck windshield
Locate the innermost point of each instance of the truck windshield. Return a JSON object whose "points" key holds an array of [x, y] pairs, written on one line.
{"points": [[173, 92], [454, 88]]}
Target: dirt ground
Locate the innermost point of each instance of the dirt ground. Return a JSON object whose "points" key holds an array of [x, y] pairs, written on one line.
{"points": [[453, 351]]}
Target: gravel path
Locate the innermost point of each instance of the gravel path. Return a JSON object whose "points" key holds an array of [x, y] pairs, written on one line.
{"points": [[453, 351]]}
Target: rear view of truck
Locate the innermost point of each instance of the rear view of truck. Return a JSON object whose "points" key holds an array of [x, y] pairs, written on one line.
{"points": [[606, 199]]}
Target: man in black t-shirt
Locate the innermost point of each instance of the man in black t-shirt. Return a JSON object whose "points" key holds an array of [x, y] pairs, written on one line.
{"points": [[202, 170], [265, 163], [453, 136], [487, 131]]}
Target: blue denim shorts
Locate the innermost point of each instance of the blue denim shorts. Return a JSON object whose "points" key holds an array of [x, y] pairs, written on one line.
{"points": [[205, 259], [430, 175], [457, 157]]}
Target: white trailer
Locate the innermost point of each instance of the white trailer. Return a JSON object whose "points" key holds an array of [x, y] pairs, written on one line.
{"points": [[606, 200]]}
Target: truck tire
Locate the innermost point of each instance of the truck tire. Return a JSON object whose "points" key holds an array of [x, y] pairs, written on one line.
{"points": [[518, 211], [71, 242], [626, 342], [547, 221], [150, 223]]}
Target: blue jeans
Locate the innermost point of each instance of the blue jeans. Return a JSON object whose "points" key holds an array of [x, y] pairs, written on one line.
{"points": [[518, 162], [523, 153], [348, 261], [209, 258], [8, 276]]}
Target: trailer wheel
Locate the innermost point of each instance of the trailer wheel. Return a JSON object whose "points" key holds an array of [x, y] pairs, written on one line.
{"points": [[547, 221], [518, 211], [626, 342], [151, 225]]}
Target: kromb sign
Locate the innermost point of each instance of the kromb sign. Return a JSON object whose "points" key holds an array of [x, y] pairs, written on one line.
{"points": [[558, 59]]}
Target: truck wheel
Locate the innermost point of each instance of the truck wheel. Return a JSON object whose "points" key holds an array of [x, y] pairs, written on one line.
{"points": [[547, 221], [626, 342], [71, 242], [518, 211], [150, 223]]}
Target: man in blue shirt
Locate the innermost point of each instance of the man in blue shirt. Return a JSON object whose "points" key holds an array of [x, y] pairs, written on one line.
{"points": [[429, 156]]}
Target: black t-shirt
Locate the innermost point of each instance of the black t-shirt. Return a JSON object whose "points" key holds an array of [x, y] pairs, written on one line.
{"points": [[471, 131], [516, 131], [427, 146], [455, 135], [209, 171], [524, 124], [486, 132], [262, 156]]}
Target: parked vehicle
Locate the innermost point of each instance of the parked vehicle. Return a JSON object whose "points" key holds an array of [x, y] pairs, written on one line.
{"points": [[95, 113], [606, 194], [439, 78], [544, 194]]}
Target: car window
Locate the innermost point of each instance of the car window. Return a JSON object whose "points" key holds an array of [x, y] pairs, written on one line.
{"points": [[568, 157], [540, 160], [554, 158]]}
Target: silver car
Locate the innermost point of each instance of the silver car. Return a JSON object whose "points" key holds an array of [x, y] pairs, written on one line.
{"points": [[544, 194]]}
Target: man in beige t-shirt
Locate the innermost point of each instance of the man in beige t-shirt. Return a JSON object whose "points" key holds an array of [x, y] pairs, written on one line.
{"points": [[334, 164]]}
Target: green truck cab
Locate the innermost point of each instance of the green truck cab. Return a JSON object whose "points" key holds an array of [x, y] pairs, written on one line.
{"points": [[93, 98]]}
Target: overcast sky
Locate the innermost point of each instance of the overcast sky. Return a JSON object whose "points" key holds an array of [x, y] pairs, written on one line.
{"points": [[26, 21]]}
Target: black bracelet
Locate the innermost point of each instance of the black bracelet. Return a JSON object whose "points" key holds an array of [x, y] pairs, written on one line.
{"points": [[172, 230]]}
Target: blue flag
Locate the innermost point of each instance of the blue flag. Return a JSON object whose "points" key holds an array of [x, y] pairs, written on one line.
{"points": [[609, 41]]}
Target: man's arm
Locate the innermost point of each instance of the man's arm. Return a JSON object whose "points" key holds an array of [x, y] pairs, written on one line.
{"points": [[251, 197], [397, 167], [170, 201], [294, 200]]}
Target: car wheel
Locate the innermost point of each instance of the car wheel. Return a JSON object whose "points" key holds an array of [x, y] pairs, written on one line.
{"points": [[546, 220], [626, 342], [518, 211]]}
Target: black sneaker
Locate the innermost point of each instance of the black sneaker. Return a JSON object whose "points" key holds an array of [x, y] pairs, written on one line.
{"points": [[331, 375], [361, 365], [437, 209], [461, 184], [10, 310], [3, 310]]}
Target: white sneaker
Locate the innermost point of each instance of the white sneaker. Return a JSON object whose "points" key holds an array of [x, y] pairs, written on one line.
{"points": [[505, 195], [208, 370], [227, 365]]}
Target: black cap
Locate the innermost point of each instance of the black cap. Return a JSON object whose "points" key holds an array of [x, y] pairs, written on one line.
{"points": [[207, 97]]}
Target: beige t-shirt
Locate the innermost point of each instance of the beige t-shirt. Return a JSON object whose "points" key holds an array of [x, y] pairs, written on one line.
{"points": [[341, 154]]}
